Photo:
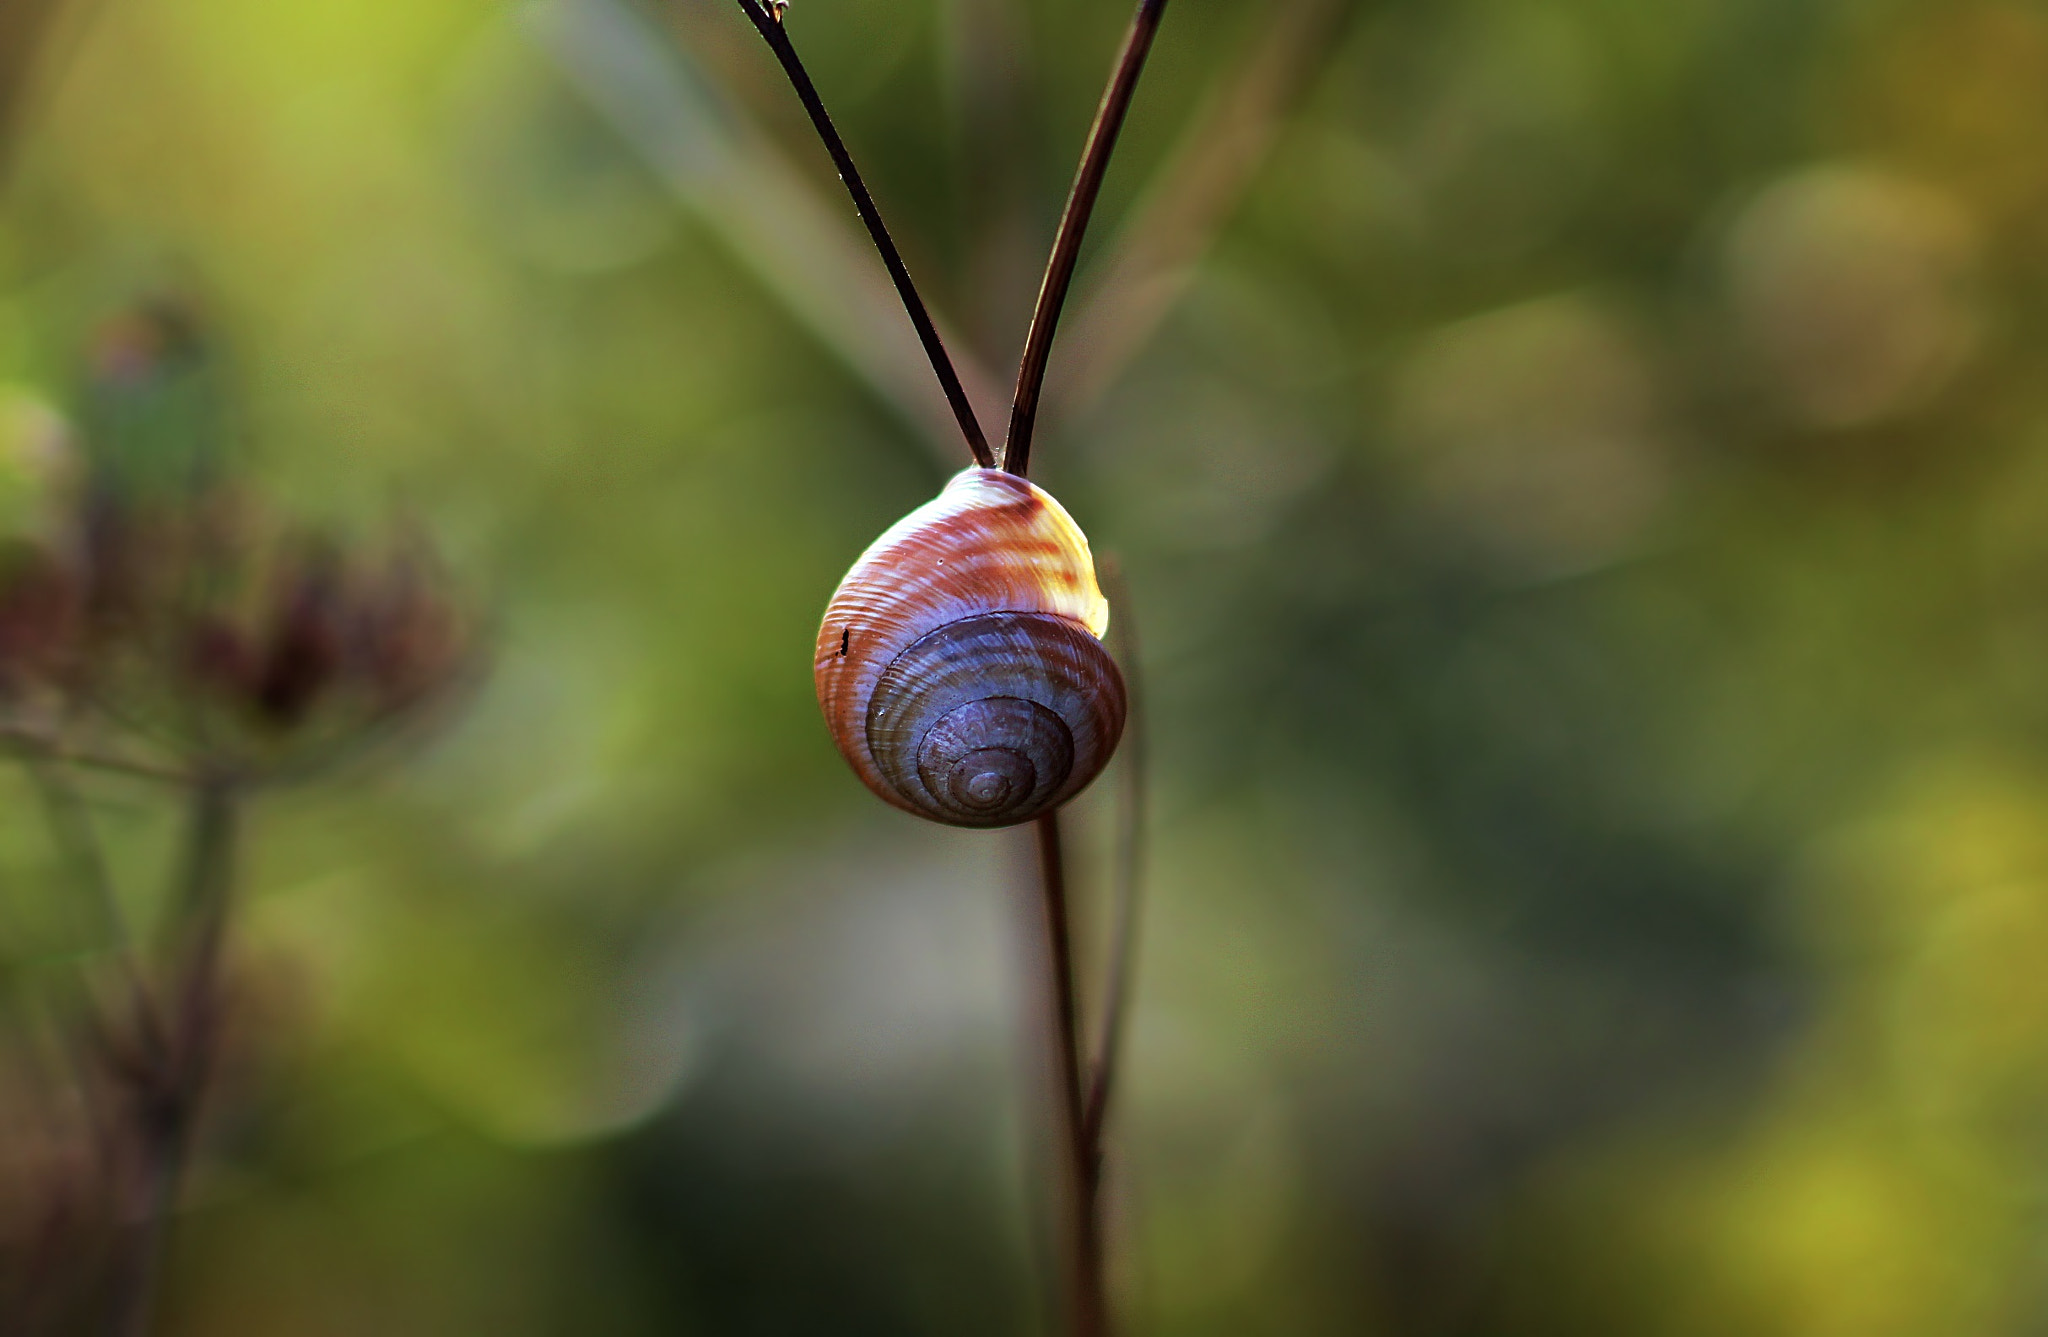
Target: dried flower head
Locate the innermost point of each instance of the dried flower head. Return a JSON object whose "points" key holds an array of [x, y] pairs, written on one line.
{"points": [[230, 642], [40, 613]]}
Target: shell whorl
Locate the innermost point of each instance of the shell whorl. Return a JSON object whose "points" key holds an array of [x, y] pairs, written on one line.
{"points": [[960, 665]]}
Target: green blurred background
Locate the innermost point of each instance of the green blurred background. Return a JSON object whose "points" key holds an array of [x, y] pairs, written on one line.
{"points": [[1582, 470]]}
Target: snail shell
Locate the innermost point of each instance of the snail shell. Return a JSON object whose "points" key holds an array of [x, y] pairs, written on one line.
{"points": [[960, 663]]}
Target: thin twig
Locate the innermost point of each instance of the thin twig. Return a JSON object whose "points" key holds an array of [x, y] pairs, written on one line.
{"points": [[39, 40], [1066, 248], [1088, 1303], [166, 1108], [768, 20], [78, 842], [1215, 159], [712, 156], [36, 749], [1130, 865], [25, 27]]}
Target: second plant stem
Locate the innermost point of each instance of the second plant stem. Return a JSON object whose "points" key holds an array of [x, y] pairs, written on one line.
{"points": [[1080, 1155], [180, 1050]]}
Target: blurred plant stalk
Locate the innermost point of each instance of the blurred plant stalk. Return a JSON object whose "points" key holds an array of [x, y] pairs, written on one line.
{"points": [[1192, 195], [163, 628], [25, 28], [712, 158], [1085, 1072], [169, 1087]]}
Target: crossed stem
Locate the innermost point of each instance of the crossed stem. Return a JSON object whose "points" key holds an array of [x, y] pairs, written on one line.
{"points": [[1080, 1145], [180, 1044]]}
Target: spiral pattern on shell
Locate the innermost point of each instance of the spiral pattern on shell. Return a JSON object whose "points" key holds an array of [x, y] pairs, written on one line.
{"points": [[960, 664]]}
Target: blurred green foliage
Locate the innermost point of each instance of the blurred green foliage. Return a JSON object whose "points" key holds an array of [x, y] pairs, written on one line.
{"points": [[1587, 509]]}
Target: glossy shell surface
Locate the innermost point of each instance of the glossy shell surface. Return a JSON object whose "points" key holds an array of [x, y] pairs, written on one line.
{"points": [[959, 664]]}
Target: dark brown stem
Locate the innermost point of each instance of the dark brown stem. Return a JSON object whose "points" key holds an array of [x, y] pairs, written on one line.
{"points": [[1066, 248], [172, 1089], [1088, 1308], [1130, 866], [768, 20]]}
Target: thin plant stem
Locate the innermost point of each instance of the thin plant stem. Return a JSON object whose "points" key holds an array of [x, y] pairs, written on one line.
{"points": [[167, 1106], [38, 750], [1088, 1307], [77, 839], [1128, 884], [39, 40], [768, 20], [1146, 267], [25, 30], [1066, 247]]}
